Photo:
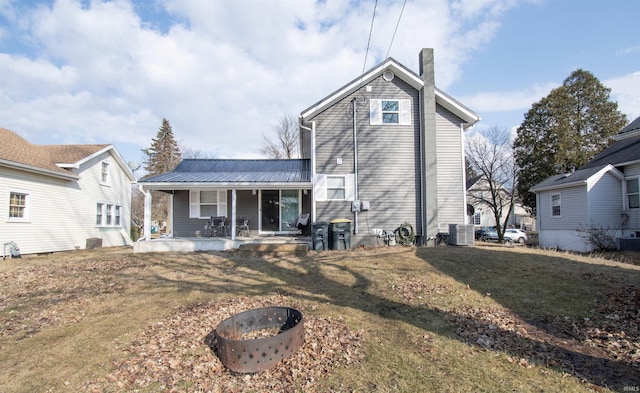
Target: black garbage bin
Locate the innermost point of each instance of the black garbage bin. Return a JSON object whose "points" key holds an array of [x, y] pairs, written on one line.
{"points": [[320, 235], [340, 234]]}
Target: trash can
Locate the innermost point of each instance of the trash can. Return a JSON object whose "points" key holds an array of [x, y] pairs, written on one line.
{"points": [[320, 235], [340, 234]]}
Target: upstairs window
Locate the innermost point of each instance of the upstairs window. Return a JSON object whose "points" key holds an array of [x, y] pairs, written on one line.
{"points": [[633, 194], [104, 173], [18, 206], [389, 112], [555, 205]]}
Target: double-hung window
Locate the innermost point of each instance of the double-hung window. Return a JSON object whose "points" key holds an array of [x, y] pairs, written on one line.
{"points": [[105, 173], [108, 215], [555, 205], [389, 112], [336, 187], [18, 206], [633, 194], [207, 204]]}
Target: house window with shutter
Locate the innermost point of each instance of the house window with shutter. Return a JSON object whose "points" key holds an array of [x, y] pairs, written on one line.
{"points": [[633, 194], [555, 205], [206, 204], [336, 187], [389, 112]]}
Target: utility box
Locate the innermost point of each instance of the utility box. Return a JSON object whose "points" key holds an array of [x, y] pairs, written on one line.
{"points": [[320, 235], [94, 243], [340, 234]]}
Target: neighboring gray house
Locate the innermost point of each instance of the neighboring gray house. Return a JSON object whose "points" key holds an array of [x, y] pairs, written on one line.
{"points": [[384, 149], [602, 195], [56, 197]]}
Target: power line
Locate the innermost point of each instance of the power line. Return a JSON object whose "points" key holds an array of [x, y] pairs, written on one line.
{"points": [[369, 40], [394, 32]]}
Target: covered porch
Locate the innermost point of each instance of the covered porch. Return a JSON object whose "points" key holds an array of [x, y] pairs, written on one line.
{"points": [[221, 204]]}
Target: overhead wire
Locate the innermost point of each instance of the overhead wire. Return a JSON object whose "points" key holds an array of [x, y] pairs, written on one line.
{"points": [[396, 29]]}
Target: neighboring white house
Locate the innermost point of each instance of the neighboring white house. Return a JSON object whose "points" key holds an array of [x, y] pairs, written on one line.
{"points": [[602, 197], [62, 197], [481, 215]]}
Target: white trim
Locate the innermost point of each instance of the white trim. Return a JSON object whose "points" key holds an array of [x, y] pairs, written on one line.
{"points": [[195, 203], [27, 205], [552, 205]]}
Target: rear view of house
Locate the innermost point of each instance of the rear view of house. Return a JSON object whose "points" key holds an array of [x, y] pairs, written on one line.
{"points": [[62, 197], [383, 150]]}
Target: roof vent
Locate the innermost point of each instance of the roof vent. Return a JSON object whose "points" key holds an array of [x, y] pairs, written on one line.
{"points": [[388, 75]]}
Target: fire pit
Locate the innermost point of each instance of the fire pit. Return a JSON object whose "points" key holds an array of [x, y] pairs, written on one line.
{"points": [[241, 353]]}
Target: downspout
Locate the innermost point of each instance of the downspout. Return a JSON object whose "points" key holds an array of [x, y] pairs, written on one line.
{"points": [[313, 165], [423, 187], [355, 164]]}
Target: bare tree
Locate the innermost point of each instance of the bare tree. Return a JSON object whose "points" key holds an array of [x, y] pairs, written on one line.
{"points": [[285, 140], [490, 155]]}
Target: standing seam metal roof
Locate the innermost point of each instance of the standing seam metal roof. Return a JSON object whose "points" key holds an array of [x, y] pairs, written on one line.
{"points": [[236, 171]]}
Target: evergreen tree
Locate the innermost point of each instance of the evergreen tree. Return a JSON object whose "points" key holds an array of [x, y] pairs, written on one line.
{"points": [[162, 157], [164, 154], [564, 130]]}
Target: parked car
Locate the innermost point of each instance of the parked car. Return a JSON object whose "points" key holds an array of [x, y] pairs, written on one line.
{"points": [[480, 233], [515, 235], [510, 235]]}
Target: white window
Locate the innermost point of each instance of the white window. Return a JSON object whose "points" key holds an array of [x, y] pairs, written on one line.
{"points": [[105, 176], [336, 187], [389, 111], [206, 204], [555, 205], [477, 218], [108, 215], [633, 194], [18, 206]]}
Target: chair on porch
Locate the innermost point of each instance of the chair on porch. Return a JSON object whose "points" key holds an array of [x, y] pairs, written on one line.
{"points": [[242, 226], [218, 225]]}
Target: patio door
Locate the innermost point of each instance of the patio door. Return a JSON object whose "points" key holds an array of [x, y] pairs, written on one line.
{"points": [[279, 210]]}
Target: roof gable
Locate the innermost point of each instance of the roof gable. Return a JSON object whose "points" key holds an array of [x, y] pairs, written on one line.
{"points": [[400, 71], [577, 178], [52, 160]]}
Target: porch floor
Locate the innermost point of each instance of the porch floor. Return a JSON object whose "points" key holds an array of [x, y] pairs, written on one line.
{"points": [[192, 244]]}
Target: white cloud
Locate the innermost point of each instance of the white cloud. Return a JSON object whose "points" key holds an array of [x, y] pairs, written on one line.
{"points": [[625, 90], [520, 100], [221, 72]]}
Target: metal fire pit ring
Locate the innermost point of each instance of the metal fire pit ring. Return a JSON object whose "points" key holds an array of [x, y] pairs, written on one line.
{"points": [[250, 356]]}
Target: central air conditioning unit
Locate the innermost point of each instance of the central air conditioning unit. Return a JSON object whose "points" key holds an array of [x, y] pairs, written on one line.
{"points": [[461, 235]]}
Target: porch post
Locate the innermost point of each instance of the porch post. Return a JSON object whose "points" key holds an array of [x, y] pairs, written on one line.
{"points": [[147, 214], [233, 214]]}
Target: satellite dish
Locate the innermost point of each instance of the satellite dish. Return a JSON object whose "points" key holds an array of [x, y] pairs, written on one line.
{"points": [[134, 166]]}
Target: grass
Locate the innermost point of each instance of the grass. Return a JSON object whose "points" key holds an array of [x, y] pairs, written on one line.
{"points": [[67, 319]]}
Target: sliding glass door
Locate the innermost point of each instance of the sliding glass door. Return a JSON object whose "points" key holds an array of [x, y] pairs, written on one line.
{"points": [[279, 210]]}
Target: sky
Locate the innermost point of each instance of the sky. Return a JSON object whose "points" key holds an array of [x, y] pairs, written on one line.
{"points": [[224, 72]]}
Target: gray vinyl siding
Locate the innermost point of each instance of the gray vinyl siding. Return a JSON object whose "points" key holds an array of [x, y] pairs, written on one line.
{"points": [[572, 209], [388, 158], [451, 207], [605, 202], [246, 205], [632, 170]]}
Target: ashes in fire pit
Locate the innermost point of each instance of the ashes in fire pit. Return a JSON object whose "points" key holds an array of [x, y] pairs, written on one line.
{"points": [[256, 340]]}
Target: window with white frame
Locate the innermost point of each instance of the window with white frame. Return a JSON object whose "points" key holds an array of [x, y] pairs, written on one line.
{"points": [[633, 194], [336, 187], [18, 206], [390, 111], [477, 218], [207, 203], [555, 205], [105, 176], [108, 215]]}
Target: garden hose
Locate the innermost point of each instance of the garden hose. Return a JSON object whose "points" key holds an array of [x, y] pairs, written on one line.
{"points": [[405, 235]]}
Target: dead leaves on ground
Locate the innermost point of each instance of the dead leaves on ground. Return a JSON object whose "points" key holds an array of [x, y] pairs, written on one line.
{"points": [[172, 355]]}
